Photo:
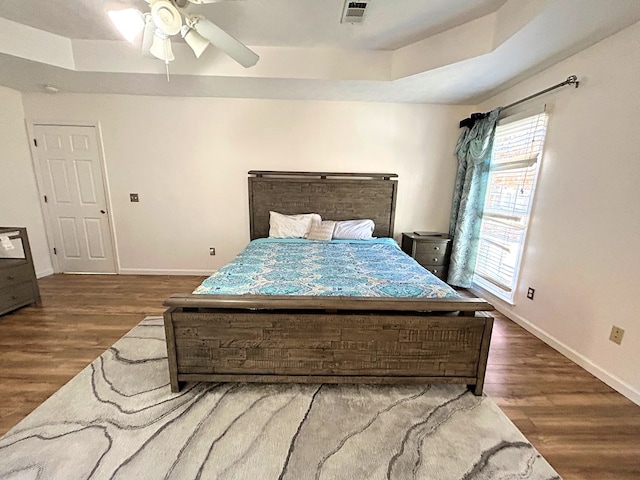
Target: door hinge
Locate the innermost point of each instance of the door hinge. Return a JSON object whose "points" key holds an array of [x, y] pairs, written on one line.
{"points": [[35, 142], [55, 252], [45, 199]]}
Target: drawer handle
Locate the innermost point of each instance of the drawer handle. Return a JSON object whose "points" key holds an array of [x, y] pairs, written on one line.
{"points": [[436, 248], [435, 270], [435, 259]]}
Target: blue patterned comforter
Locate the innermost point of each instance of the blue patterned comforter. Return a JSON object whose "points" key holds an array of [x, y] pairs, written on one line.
{"points": [[373, 268]]}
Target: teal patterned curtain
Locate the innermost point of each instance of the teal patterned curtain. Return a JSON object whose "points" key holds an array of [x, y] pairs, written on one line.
{"points": [[474, 158]]}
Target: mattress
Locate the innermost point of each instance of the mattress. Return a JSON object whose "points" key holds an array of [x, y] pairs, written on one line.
{"points": [[371, 268]]}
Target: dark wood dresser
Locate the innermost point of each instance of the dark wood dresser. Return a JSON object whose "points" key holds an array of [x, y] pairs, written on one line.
{"points": [[430, 249], [18, 283]]}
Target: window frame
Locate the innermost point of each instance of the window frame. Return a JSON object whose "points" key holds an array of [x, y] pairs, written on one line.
{"points": [[480, 281]]}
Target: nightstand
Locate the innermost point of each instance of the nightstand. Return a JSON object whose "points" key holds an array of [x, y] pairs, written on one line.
{"points": [[430, 249], [18, 284]]}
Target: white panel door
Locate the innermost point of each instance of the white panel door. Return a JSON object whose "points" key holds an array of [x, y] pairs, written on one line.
{"points": [[73, 183]]}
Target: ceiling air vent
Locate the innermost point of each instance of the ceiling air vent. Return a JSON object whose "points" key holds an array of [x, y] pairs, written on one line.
{"points": [[354, 11]]}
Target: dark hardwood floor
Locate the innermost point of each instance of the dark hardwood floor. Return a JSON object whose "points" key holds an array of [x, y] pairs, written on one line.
{"points": [[581, 426]]}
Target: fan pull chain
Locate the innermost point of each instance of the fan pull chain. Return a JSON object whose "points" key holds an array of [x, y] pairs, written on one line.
{"points": [[166, 58]]}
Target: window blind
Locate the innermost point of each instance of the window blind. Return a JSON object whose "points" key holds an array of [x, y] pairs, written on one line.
{"points": [[512, 176]]}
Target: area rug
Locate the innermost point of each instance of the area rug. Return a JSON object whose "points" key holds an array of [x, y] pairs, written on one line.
{"points": [[118, 419]]}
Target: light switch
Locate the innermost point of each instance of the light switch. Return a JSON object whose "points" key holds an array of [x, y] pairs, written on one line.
{"points": [[134, 197]]}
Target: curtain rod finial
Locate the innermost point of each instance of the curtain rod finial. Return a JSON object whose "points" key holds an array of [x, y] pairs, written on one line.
{"points": [[573, 80]]}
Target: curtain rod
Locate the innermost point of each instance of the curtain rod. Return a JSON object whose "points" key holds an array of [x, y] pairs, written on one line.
{"points": [[571, 80]]}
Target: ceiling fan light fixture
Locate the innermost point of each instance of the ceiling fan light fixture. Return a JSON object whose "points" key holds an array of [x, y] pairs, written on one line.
{"points": [[129, 22], [148, 34], [161, 47], [166, 17], [196, 41]]}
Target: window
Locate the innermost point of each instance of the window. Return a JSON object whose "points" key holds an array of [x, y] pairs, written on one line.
{"points": [[515, 159]]}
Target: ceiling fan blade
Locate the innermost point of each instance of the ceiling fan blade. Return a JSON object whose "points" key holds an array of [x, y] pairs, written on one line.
{"points": [[225, 42]]}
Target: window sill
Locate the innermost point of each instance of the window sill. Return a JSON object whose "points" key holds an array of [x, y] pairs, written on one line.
{"points": [[486, 287]]}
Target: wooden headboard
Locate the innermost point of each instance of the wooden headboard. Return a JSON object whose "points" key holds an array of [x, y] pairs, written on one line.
{"points": [[334, 196]]}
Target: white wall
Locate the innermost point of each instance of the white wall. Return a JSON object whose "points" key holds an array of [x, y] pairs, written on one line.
{"points": [[583, 249], [188, 160], [19, 204]]}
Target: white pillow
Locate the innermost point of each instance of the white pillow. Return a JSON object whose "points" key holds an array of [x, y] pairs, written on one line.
{"points": [[291, 226], [354, 230]]}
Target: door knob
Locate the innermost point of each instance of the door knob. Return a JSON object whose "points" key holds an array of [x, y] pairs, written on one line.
{"points": [[102, 211]]}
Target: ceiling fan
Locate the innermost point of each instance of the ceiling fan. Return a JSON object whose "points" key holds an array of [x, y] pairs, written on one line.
{"points": [[167, 18]]}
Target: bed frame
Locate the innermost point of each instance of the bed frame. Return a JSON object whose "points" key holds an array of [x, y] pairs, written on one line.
{"points": [[304, 339]]}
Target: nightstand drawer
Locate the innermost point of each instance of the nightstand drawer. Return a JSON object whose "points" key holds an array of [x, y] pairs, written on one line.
{"points": [[431, 258], [15, 275], [438, 271], [424, 248], [19, 294]]}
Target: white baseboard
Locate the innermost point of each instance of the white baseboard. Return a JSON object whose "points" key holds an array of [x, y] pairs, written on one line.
{"points": [[44, 273], [153, 271], [613, 381], [141, 271]]}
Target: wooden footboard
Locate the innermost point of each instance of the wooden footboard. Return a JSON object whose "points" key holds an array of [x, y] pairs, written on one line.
{"points": [[253, 338]]}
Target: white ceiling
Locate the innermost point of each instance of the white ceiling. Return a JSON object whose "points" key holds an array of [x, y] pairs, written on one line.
{"points": [[305, 23], [424, 51]]}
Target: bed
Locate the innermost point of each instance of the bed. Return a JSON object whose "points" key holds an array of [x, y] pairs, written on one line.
{"points": [[251, 322]]}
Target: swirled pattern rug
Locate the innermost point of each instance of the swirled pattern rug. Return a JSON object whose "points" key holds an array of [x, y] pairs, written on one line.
{"points": [[118, 419]]}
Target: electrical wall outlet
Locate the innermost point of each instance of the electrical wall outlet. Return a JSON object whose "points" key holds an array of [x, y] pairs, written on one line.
{"points": [[212, 251], [134, 197], [616, 335], [530, 293]]}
